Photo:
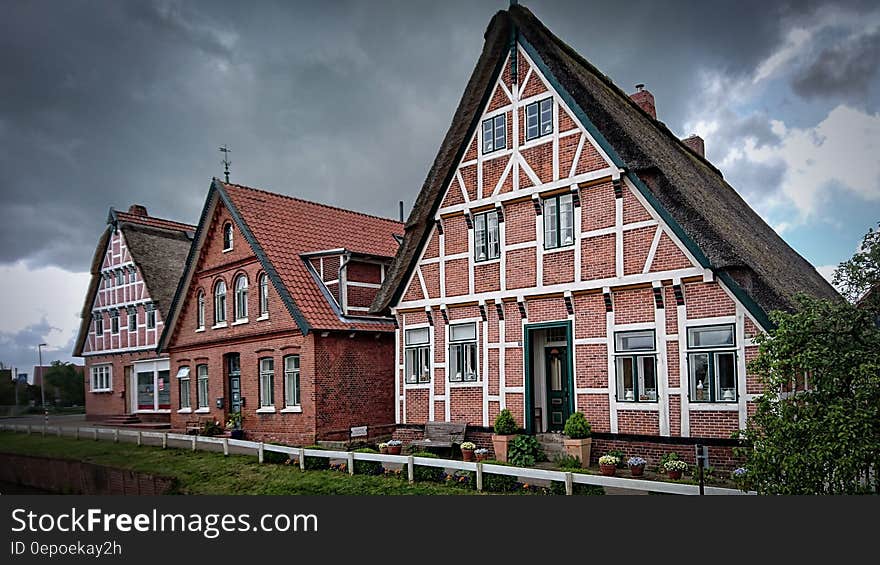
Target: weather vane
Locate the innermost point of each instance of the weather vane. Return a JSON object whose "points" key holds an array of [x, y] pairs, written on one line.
{"points": [[226, 162]]}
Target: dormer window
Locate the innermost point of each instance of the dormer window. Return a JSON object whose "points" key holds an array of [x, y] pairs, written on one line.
{"points": [[227, 237], [539, 118], [495, 133]]}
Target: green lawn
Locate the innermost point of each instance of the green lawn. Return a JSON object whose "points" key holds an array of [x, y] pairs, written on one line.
{"points": [[212, 473]]}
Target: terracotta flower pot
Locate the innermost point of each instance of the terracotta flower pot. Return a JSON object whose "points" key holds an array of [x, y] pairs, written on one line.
{"points": [[500, 444], [467, 454], [394, 449], [637, 470], [579, 448], [481, 456], [608, 470], [383, 450], [674, 475]]}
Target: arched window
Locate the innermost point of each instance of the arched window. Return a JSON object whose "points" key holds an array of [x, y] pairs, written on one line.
{"points": [[227, 237], [200, 313], [241, 298], [220, 302], [264, 295]]}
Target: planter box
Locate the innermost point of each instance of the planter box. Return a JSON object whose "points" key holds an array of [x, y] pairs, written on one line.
{"points": [[499, 443], [579, 448]]}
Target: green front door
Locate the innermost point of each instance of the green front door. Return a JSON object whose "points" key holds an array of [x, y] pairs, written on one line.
{"points": [[558, 403]]}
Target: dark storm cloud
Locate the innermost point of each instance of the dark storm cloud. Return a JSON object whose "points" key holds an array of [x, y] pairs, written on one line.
{"points": [[845, 70], [20, 348], [109, 103]]}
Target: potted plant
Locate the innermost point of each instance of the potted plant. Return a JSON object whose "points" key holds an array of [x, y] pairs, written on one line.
{"points": [[394, 446], [674, 468], [467, 451], [505, 430], [233, 424], [383, 448], [481, 454], [636, 466], [608, 465], [579, 442]]}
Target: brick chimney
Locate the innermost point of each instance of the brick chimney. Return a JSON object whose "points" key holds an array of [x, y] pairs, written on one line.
{"points": [[137, 210], [645, 100], [696, 143]]}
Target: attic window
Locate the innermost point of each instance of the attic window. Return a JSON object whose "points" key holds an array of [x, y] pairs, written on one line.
{"points": [[227, 237], [495, 134], [539, 118]]}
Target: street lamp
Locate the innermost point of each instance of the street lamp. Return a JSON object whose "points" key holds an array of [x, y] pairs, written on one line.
{"points": [[43, 383]]}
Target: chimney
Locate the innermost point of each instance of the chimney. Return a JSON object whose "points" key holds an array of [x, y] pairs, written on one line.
{"points": [[137, 210], [696, 144], [645, 100]]}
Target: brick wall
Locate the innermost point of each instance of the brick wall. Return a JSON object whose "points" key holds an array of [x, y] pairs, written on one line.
{"points": [[101, 405]]}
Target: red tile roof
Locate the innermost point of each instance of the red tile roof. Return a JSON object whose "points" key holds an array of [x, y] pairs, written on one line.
{"points": [[286, 227], [152, 222]]}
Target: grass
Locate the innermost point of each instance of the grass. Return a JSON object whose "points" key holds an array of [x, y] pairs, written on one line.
{"points": [[211, 473]]}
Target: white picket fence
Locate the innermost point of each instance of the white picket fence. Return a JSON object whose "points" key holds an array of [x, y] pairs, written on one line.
{"points": [[408, 461]]}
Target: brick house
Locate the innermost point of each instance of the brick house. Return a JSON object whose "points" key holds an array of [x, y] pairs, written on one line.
{"points": [[568, 253], [135, 270], [271, 319]]}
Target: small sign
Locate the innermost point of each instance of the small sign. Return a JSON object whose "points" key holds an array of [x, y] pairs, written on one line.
{"points": [[359, 431]]}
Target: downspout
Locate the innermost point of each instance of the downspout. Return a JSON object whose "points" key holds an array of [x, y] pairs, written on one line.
{"points": [[343, 282]]}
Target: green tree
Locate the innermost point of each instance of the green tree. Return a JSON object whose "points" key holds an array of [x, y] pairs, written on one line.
{"points": [[69, 383], [825, 439], [861, 274]]}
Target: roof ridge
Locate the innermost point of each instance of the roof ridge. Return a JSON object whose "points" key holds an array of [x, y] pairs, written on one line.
{"points": [[144, 220], [303, 200]]}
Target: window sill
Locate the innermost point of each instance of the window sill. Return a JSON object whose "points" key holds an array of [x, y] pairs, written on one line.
{"points": [[702, 405], [266, 410], [466, 384], [227, 250], [567, 247], [487, 261], [263, 317], [417, 385], [218, 326], [292, 410], [203, 410], [240, 322], [102, 391], [200, 330], [185, 411]]}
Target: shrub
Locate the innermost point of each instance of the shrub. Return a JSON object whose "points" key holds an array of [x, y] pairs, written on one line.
{"points": [[316, 463], [275, 458], [524, 451], [367, 467], [425, 473], [212, 428], [558, 488], [498, 483], [505, 425], [461, 479], [621, 458], [577, 426], [568, 462]]}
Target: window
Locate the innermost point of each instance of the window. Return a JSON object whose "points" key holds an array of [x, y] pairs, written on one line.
{"points": [[220, 303], [636, 366], [264, 295], [108, 280], [241, 298], [558, 221], [132, 319], [712, 363], [267, 373], [151, 316], [99, 323], [227, 237], [101, 378], [418, 356], [132, 276], [119, 277], [291, 381], [495, 133], [200, 313], [463, 353], [114, 321], [486, 241], [202, 384], [183, 387], [539, 118]]}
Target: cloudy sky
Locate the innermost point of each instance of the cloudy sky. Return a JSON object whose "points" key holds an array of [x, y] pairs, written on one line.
{"points": [[111, 103]]}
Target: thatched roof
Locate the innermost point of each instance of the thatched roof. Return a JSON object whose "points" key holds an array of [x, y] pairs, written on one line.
{"points": [[712, 219]]}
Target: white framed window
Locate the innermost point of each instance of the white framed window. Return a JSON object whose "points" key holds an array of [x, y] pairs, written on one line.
{"points": [[132, 319], [227, 237], [463, 353], [202, 385], [539, 118], [183, 380], [712, 363], [108, 280], [486, 240], [132, 276], [200, 311], [102, 378], [114, 321], [151, 316], [264, 295], [220, 302], [99, 323], [267, 376], [418, 355], [241, 298], [558, 221], [291, 381], [636, 366], [120, 277], [495, 133]]}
